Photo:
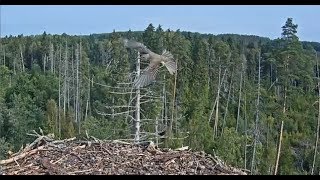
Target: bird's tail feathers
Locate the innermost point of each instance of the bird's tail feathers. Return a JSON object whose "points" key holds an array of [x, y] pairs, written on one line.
{"points": [[167, 54], [171, 66]]}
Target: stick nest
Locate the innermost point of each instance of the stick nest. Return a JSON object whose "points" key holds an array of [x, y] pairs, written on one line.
{"points": [[74, 157]]}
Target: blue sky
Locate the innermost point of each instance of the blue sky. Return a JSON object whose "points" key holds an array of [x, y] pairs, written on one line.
{"points": [[263, 20]]}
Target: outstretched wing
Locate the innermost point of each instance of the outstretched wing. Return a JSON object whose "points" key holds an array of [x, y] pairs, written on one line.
{"points": [[136, 45], [147, 76]]}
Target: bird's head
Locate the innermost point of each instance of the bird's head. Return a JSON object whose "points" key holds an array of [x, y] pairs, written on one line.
{"points": [[144, 56]]}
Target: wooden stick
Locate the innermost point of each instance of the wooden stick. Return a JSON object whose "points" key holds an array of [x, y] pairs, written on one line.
{"points": [[20, 156], [182, 148]]}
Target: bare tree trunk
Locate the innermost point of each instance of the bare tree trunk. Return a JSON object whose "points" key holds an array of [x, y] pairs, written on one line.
{"points": [[245, 131], [87, 104], [271, 73], [88, 98], [51, 57], [239, 102], [32, 59], [276, 87], [137, 118], [10, 82], [163, 100], [279, 149], [89, 107], [4, 56], [284, 100], [44, 63], [318, 123], [285, 87], [14, 66], [47, 59], [65, 79], [165, 109], [157, 132], [71, 78], [228, 100], [68, 90], [73, 81], [216, 103], [59, 104], [79, 87], [112, 109], [257, 119], [21, 56], [75, 87], [215, 128], [78, 58], [76, 84], [173, 103]]}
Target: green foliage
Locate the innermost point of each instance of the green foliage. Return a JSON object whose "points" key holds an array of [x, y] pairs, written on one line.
{"points": [[52, 117], [68, 126], [4, 148], [229, 147], [289, 30], [102, 129]]}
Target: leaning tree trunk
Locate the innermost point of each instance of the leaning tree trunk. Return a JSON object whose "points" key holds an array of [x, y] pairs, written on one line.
{"points": [[173, 103], [227, 106], [245, 130], [216, 103], [256, 121], [318, 124], [239, 102], [279, 149]]}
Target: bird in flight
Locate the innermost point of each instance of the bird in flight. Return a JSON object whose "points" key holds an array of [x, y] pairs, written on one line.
{"points": [[148, 75]]}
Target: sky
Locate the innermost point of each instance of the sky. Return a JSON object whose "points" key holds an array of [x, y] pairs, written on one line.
{"points": [[260, 20]]}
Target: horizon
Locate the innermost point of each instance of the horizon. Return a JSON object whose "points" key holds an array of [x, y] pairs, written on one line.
{"points": [[255, 20]]}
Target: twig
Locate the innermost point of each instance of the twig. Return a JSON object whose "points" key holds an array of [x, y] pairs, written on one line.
{"points": [[195, 171], [87, 170], [106, 150], [17, 162], [74, 154], [182, 148], [58, 160], [121, 142], [63, 141]]}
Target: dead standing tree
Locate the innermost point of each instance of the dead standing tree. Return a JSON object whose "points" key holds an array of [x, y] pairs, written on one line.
{"points": [[135, 116], [148, 75]]}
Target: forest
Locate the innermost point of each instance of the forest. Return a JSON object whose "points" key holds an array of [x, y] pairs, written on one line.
{"points": [[230, 96]]}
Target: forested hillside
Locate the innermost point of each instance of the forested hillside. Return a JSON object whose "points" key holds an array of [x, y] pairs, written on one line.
{"points": [[229, 97]]}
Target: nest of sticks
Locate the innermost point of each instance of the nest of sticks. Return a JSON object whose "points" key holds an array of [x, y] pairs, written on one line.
{"points": [[96, 157]]}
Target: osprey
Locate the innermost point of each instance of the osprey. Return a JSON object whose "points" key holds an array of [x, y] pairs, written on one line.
{"points": [[148, 75]]}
